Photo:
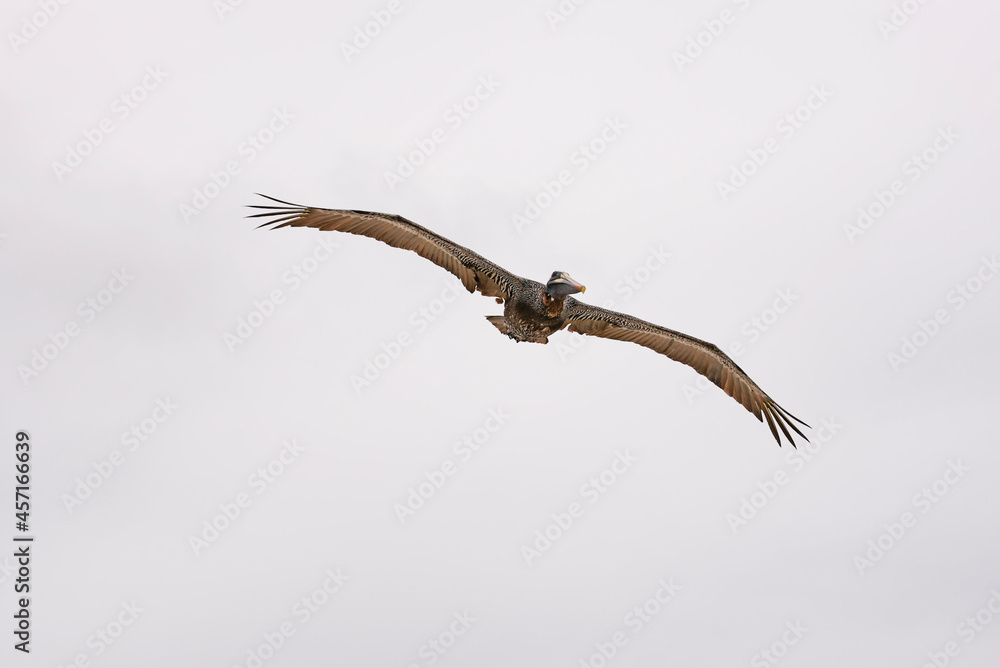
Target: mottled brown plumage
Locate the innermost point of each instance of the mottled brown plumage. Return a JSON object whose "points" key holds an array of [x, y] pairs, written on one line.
{"points": [[533, 311]]}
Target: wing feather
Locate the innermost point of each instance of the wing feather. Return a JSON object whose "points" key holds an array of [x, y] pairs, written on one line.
{"points": [[705, 358], [475, 271]]}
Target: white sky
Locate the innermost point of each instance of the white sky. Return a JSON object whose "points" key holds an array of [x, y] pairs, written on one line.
{"points": [[172, 284]]}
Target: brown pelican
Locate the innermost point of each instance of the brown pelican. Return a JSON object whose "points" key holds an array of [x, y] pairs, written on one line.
{"points": [[532, 310]]}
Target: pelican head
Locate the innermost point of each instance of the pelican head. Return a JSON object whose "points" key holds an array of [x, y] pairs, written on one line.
{"points": [[561, 284]]}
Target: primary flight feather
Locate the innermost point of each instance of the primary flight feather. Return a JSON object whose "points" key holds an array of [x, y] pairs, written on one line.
{"points": [[532, 310]]}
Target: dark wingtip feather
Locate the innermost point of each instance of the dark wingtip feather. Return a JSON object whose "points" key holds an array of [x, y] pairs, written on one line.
{"points": [[789, 417], [281, 222], [784, 430], [770, 423], [786, 413], [279, 201], [279, 216], [275, 212]]}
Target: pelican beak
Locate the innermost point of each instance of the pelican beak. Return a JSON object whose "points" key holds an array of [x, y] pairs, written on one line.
{"points": [[573, 284], [561, 284]]}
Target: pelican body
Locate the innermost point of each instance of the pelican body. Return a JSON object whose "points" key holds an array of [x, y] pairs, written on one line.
{"points": [[534, 311]]}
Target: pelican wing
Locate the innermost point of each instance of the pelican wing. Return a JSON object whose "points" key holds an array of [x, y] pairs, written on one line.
{"points": [[475, 271], [703, 357]]}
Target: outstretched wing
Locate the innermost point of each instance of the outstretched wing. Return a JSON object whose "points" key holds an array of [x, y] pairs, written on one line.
{"points": [[475, 271], [703, 357]]}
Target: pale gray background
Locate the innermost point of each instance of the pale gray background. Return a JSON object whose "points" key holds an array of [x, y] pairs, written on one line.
{"points": [[655, 186]]}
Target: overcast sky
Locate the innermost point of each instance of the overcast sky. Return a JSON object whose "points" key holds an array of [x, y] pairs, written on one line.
{"points": [[295, 448]]}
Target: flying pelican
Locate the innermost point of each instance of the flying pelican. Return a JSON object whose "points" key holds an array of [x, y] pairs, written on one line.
{"points": [[533, 311]]}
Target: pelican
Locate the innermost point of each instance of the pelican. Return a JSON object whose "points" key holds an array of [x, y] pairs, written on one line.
{"points": [[534, 311]]}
